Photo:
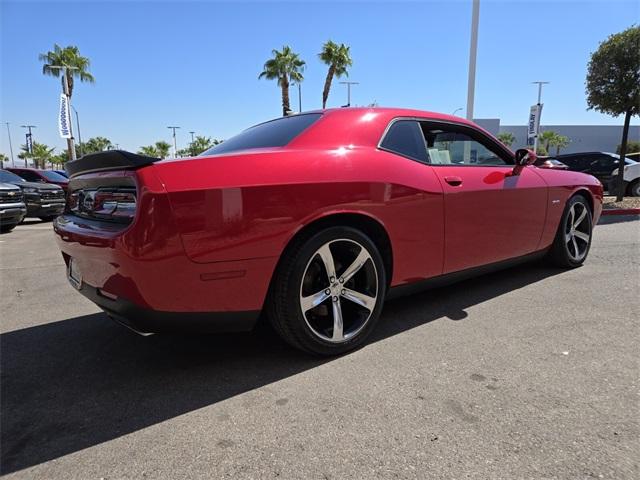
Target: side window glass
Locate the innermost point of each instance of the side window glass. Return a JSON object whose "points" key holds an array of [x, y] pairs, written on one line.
{"points": [[405, 137], [29, 176], [455, 148]]}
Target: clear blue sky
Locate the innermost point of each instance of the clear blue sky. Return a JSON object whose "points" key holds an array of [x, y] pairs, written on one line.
{"points": [[196, 64]]}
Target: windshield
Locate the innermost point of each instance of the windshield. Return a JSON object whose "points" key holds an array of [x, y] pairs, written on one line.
{"points": [[10, 177], [276, 133], [53, 176]]}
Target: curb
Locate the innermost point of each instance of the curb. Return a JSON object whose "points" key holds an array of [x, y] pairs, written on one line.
{"points": [[621, 211]]}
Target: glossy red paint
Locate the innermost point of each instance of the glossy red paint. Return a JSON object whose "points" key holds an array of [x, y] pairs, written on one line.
{"points": [[209, 231]]}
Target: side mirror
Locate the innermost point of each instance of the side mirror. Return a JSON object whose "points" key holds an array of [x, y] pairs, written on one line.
{"points": [[525, 157]]}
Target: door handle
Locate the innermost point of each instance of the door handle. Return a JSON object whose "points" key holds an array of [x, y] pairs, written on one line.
{"points": [[453, 181]]}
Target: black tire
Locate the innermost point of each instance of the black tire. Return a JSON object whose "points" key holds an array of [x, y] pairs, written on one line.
{"points": [[284, 306], [634, 188], [563, 252], [7, 228]]}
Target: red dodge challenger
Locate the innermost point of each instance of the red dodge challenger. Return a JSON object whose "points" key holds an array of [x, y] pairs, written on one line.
{"points": [[314, 219]]}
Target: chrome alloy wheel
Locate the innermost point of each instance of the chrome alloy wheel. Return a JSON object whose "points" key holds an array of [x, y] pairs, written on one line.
{"points": [[577, 231], [339, 290]]}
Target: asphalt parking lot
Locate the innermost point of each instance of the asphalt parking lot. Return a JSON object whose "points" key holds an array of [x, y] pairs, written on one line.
{"points": [[528, 373]]}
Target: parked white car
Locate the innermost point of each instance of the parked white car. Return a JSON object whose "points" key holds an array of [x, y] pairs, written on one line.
{"points": [[631, 179]]}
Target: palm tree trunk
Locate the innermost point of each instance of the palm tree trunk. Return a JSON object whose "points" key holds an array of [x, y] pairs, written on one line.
{"points": [[327, 86], [285, 96]]}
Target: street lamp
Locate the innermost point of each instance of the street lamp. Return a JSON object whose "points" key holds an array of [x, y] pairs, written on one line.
{"points": [[29, 141], [175, 145], [192, 136], [78, 124], [535, 138], [299, 97], [348, 84], [13, 163], [454, 112], [473, 50]]}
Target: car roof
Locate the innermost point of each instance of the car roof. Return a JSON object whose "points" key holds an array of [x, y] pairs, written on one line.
{"points": [[337, 125]]}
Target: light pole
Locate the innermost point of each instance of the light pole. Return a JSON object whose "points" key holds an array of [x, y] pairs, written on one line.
{"points": [[29, 141], [78, 124], [299, 97], [348, 84], [454, 112], [473, 50], [535, 139], [175, 145], [13, 163], [192, 136]]}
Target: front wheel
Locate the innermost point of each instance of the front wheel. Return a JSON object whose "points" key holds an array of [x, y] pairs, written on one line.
{"points": [[573, 238], [328, 292]]}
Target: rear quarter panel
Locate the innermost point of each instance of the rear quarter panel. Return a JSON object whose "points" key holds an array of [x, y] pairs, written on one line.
{"points": [[250, 206]]}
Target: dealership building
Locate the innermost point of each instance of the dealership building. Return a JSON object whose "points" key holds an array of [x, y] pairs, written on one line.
{"points": [[582, 138]]}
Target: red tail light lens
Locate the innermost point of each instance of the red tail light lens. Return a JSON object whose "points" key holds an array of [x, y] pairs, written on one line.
{"points": [[110, 204]]}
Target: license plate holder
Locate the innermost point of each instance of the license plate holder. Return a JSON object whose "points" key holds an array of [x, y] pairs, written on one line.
{"points": [[73, 274]]}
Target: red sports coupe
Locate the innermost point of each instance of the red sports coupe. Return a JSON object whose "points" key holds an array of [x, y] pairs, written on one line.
{"points": [[314, 219]]}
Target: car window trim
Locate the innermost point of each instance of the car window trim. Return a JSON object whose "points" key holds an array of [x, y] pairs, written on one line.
{"points": [[446, 123], [386, 131]]}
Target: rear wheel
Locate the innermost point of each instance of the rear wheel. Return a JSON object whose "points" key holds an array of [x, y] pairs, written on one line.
{"points": [[634, 188], [573, 238], [328, 292]]}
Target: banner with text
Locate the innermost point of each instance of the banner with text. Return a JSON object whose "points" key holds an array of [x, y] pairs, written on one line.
{"points": [[534, 122], [64, 118]]}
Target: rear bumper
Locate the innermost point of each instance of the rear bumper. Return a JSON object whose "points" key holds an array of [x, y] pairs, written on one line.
{"points": [[145, 321], [141, 276]]}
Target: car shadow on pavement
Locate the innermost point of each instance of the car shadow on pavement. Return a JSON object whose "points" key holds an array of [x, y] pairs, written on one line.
{"points": [[73, 384]]}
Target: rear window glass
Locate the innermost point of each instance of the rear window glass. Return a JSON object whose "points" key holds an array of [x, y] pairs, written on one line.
{"points": [[53, 176], [276, 133], [405, 137]]}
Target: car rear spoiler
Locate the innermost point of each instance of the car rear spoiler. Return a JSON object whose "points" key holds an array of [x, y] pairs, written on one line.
{"points": [[107, 160]]}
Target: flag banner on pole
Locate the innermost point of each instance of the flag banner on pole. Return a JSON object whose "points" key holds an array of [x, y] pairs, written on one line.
{"points": [[64, 120], [534, 122], [29, 143]]}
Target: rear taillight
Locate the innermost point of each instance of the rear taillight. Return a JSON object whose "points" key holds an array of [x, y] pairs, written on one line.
{"points": [[110, 204]]}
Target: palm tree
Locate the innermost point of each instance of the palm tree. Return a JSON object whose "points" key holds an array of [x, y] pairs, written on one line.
{"points": [[96, 144], [560, 141], [149, 151], [159, 150], [545, 140], [74, 66], [40, 153], [69, 60], [163, 148], [507, 138], [285, 67], [338, 59]]}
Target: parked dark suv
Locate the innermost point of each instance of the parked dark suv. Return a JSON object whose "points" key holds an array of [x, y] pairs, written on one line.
{"points": [[12, 207], [44, 200], [598, 164]]}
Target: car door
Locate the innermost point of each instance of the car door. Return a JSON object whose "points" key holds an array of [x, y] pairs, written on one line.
{"points": [[490, 214], [602, 165]]}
